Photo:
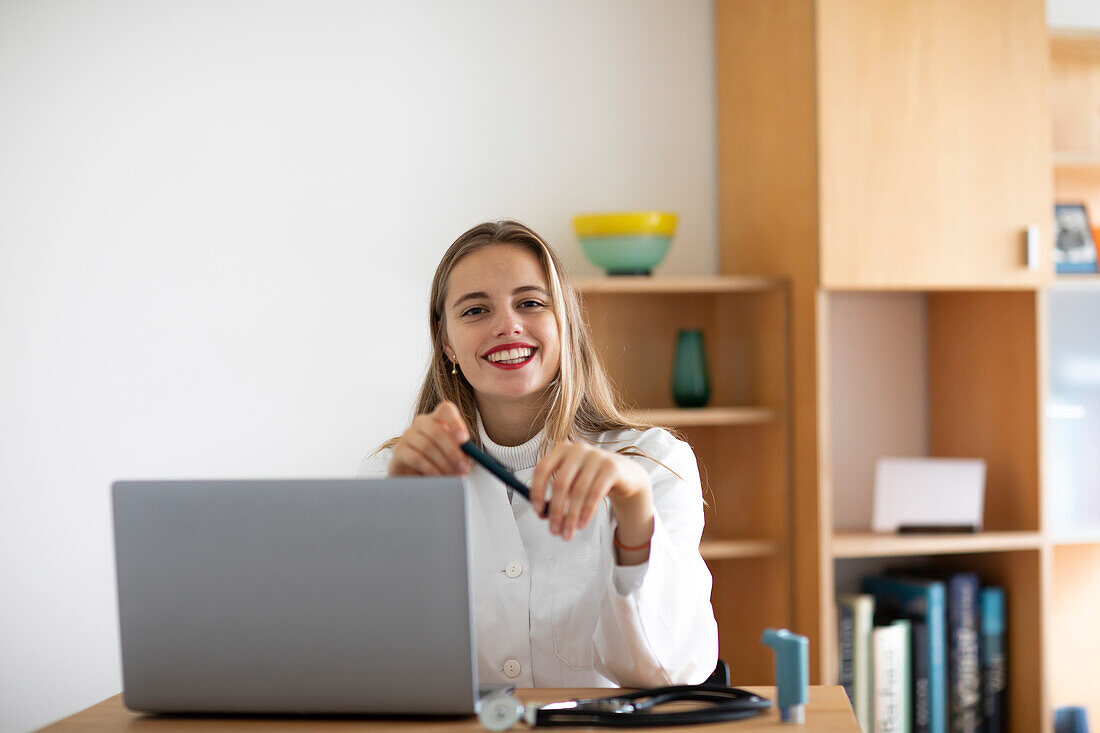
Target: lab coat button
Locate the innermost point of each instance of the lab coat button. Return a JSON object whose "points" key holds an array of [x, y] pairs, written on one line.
{"points": [[514, 569], [512, 668]]}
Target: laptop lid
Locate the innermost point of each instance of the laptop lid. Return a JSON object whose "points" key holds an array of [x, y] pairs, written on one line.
{"points": [[295, 596]]}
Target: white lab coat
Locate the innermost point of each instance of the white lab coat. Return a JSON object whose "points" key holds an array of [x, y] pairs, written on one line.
{"points": [[556, 613]]}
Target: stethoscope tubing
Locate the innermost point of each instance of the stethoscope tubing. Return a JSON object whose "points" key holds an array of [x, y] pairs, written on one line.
{"points": [[728, 703]]}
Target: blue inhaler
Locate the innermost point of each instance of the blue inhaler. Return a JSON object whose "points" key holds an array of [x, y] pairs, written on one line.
{"points": [[792, 673]]}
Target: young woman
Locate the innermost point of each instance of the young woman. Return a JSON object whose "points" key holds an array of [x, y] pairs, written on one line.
{"points": [[610, 588]]}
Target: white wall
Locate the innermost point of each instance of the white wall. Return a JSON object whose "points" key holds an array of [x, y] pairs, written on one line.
{"points": [[218, 221]]}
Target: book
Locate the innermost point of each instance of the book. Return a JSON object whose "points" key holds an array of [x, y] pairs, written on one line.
{"points": [[963, 664], [922, 601], [859, 609], [994, 667], [922, 716], [845, 615], [890, 651], [907, 674]]}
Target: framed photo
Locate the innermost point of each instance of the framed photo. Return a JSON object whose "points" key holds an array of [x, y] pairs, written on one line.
{"points": [[1074, 247]]}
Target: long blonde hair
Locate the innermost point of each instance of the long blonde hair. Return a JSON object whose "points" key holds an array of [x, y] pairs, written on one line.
{"points": [[581, 400]]}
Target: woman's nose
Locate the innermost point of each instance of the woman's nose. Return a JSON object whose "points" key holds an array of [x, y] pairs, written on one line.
{"points": [[507, 324]]}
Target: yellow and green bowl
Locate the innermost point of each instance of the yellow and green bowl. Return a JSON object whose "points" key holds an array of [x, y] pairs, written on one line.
{"points": [[626, 243]]}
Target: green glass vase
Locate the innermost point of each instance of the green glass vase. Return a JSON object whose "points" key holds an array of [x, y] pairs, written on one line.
{"points": [[690, 380]]}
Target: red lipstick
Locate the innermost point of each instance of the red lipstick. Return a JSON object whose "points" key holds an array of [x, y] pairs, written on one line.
{"points": [[507, 347]]}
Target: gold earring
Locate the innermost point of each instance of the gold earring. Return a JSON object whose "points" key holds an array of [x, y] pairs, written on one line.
{"points": [[454, 365]]}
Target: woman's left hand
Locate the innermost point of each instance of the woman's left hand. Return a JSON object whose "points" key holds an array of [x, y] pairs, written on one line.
{"points": [[582, 476]]}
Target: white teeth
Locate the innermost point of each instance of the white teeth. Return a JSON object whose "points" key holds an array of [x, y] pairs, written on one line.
{"points": [[511, 356]]}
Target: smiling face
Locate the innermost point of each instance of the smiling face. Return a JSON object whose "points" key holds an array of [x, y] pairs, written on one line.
{"points": [[500, 324]]}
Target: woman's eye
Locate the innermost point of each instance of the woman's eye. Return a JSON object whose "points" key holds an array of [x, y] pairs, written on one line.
{"points": [[530, 304], [477, 310]]}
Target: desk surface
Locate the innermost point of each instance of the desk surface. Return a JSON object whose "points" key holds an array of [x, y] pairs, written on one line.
{"points": [[828, 711]]}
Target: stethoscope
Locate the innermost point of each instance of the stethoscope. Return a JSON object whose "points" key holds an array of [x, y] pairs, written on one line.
{"points": [[502, 710]]}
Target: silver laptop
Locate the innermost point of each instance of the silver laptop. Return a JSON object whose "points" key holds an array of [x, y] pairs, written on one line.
{"points": [[295, 596]]}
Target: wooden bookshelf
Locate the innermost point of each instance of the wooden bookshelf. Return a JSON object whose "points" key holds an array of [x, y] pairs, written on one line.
{"points": [[815, 102]]}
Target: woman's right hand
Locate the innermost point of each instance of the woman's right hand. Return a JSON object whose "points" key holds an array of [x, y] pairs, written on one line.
{"points": [[430, 447]]}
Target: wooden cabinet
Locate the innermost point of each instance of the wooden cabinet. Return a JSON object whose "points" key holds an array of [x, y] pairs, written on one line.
{"points": [[914, 129], [887, 159], [740, 438]]}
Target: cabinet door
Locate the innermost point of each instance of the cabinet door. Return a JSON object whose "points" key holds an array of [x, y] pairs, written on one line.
{"points": [[934, 143]]}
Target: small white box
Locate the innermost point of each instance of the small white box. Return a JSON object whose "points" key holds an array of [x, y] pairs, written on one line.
{"points": [[928, 492]]}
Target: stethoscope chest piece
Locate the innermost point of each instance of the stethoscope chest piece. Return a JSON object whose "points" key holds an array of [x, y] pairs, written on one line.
{"points": [[501, 710]]}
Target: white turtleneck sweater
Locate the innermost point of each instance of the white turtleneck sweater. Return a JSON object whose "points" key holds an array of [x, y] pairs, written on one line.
{"points": [[557, 613]]}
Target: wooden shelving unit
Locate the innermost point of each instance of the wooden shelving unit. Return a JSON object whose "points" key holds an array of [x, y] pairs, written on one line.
{"points": [[856, 145], [740, 438], [824, 158]]}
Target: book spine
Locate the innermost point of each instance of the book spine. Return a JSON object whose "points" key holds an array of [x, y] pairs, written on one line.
{"points": [[937, 657], [860, 608], [846, 636], [964, 667], [864, 621], [888, 643], [994, 667], [906, 627], [922, 712], [865, 615]]}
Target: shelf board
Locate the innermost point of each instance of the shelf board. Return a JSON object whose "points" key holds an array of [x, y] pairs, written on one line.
{"points": [[719, 549], [690, 417], [873, 544], [687, 284]]}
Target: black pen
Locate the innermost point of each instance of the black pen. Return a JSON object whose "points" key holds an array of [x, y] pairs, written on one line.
{"points": [[497, 469]]}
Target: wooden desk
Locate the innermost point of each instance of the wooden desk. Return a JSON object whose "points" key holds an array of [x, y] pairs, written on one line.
{"points": [[828, 711]]}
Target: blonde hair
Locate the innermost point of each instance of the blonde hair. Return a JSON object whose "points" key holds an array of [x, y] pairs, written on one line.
{"points": [[581, 400]]}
